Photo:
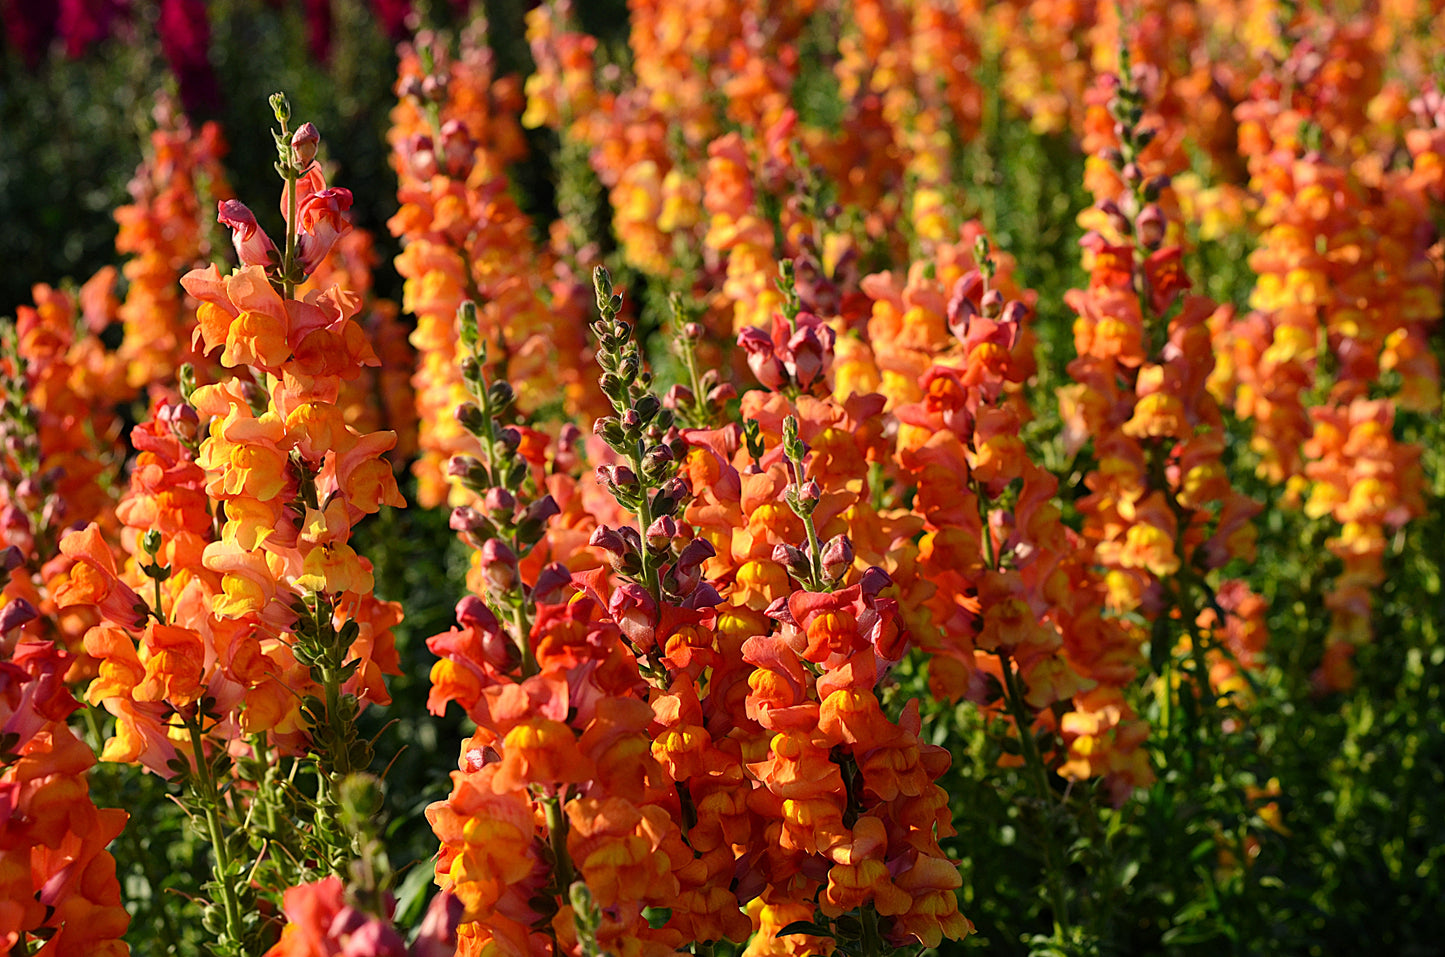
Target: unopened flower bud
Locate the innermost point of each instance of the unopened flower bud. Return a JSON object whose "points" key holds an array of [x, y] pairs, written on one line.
{"points": [[510, 438], [720, 394], [792, 558], [609, 540], [498, 565], [434, 88], [1151, 226], [468, 469], [11, 558], [467, 520], [655, 463], [28, 493], [616, 476], [151, 541], [540, 511], [837, 557], [992, 304], [500, 396], [687, 571], [552, 582], [16, 613], [304, 143], [874, 580], [469, 416], [661, 532], [677, 396], [499, 504]]}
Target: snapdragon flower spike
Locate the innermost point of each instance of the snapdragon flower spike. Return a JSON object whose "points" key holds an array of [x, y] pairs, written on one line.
{"points": [[455, 137], [647, 481], [1162, 517]]}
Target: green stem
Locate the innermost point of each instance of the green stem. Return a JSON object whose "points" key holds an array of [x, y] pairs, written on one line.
{"points": [[557, 834], [288, 264], [210, 796], [872, 940], [524, 639], [644, 522], [1013, 697]]}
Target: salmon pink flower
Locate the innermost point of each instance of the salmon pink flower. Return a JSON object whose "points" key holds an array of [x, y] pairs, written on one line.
{"points": [[253, 246]]}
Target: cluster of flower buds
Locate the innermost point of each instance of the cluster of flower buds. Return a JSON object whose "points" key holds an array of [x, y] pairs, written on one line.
{"points": [[315, 213], [506, 520], [698, 403], [797, 354], [658, 558]]}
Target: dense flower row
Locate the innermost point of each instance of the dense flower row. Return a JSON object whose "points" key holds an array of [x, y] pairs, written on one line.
{"points": [[688, 604]]}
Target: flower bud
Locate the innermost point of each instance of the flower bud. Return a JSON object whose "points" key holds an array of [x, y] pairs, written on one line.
{"points": [[499, 504], [540, 511], [467, 520], [609, 540], [655, 463], [992, 304], [677, 396], [437, 936], [469, 416], [500, 396], [16, 613], [792, 558], [552, 582], [661, 532], [1151, 226], [434, 88], [874, 581], [687, 570], [151, 541], [11, 558], [498, 565], [303, 145], [468, 469], [720, 394], [837, 557], [510, 438]]}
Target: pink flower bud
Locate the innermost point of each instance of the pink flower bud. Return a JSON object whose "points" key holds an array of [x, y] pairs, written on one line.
{"points": [[837, 557], [791, 557], [874, 581], [253, 246], [1151, 226], [437, 936], [16, 613], [607, 539], [552, 582], [661, 532], [467, 520], [499, 503], [767, 368], [499, 565], [303, 144], [991, 304]]}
